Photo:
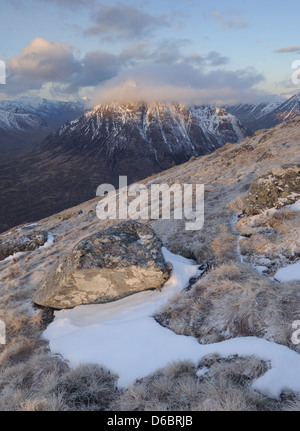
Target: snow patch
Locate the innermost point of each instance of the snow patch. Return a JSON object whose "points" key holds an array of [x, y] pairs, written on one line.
{"points": [[13, 256], [6, 234], [124, 337], [295, 206], [49, 242], [202, 372], [288, 273]]}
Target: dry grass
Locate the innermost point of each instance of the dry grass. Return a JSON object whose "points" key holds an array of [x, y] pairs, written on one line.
{"points": [[88, 387], [172, 388], [237, 205], [233, 300], [281, 220], [225, 387], [224, 245], [274, 235], [31, 379], [45, 383], [293, 405]]}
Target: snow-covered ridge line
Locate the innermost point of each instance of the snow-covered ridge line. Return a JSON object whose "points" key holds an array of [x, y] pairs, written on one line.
{"points": [[267, 114], [25, 112], [182, 123], [124, 337]]}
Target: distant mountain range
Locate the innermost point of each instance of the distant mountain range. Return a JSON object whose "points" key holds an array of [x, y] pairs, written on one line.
{"points": [[135, 140], [266, 115], [161, 134], [70, 151], [25, 122]]}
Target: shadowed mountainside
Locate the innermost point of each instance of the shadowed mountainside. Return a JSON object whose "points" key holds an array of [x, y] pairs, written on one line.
{"points": [[231, 299], [133, 140]]}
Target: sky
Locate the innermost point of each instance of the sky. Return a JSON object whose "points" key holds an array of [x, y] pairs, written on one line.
{"points": [[179, 50]]}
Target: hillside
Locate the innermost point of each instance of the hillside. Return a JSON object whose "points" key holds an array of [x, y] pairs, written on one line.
{"points": [[267, 114], [135, 140], [250, 234]]}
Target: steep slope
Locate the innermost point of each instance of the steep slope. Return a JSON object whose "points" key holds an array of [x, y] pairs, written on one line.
{"points": [[133, 140], [231, 301], [25, 122], [251, 114], [267, 115], [288, 110], [166, 133]]}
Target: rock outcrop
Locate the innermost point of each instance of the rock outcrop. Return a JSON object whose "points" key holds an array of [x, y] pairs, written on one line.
{"points": [[15, 243], [278, 187], [109, 265], [269, 227]]}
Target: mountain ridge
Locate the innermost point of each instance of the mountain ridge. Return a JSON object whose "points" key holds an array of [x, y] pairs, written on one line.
{"points": [[268, 114], [25, 122], [109, 141]]}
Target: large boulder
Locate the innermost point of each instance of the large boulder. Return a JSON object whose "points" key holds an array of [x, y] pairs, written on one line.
{"points": [[109, 265]]}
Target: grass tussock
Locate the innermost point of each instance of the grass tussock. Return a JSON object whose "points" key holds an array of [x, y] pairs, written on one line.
{"points": [[280, 220], [46, 383], [31, 379], [233, 300], [224, 245], [226, 386]]}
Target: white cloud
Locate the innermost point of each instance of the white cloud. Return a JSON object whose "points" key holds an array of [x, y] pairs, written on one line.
{"points": [[119, 20], [40, 62], [43, 62], [180, 83], [158, 74], [230, 19], [288, 49]]}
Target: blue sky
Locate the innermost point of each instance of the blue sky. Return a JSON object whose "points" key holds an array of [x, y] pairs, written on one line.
{"points": [[224, 50]]}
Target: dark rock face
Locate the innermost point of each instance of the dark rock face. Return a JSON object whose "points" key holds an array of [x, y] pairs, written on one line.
{"points": [[13, 244], [278, 187], [114, 263]]}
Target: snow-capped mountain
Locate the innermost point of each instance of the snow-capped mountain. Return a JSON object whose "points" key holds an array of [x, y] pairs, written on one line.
{"points": [[25, 112], [135, 140], [269, 114], [288, 110], [27, 121], [164, 132], [250, 114], [230, 310]]}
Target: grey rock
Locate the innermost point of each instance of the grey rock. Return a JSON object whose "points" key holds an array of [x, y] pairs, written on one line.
{"points": [[109, 265], [12, 244], [277, 188]]}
